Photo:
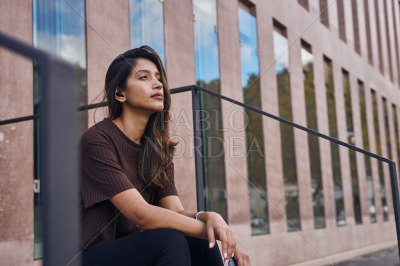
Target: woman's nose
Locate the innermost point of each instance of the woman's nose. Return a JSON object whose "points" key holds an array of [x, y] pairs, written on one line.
{"points": [[157, 84]]}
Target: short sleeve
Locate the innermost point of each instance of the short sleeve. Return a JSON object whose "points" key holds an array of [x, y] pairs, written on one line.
{"points": [[101, 173], [170, 189]]}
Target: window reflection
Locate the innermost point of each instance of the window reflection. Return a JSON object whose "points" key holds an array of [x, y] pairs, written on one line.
{"points": [[307, 60], [387, 129], [287, 138], [58, 28], [207, 76], [379, 152], [254, 131], [352, 153], [335, 157], [147, 25], [396, 133], [367, 159]]}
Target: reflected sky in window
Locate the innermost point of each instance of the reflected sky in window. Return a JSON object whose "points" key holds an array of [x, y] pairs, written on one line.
{"points": [[206, 40], [281, 52], [249, 45], [59, 28], [147, 25]]}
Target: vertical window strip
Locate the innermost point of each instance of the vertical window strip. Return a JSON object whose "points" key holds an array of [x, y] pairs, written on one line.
{"points": [[307, 60], [333, 131], [303, 3], [367, 159], [378, 35], [379, 152], [341, 20], [58, 28], [323, 11], [388, 46], [387, 128], [368, 31], [352, 153], [208, 76], [396, 42], [356, 32], [145, 15], [397, 136], [287, 135], [254, 130]]}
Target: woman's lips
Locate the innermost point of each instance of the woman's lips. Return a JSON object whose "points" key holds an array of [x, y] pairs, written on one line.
{"points": [[158, 96]]}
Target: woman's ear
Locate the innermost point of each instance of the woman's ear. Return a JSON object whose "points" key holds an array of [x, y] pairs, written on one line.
{"points": [[119, 96]]}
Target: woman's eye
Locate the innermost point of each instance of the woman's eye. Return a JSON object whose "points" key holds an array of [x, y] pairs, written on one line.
{"points": [[143, 77]]}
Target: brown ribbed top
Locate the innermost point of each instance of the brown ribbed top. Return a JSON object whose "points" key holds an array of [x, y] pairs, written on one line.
{"points": [[109, 166]]}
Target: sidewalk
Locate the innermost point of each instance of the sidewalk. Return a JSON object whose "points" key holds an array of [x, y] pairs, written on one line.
{"points": [[385, 257]]}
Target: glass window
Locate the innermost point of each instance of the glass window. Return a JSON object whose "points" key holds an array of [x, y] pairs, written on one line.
{"points": [[323, 11], [287, 137], [147, 25], [396, 134], [303, 3], [387, 129], [307, 60], [367, 159], [333, 131], [352, 153], [379, 152], [341, 20], [58, 28], [207, 76], [254, 131]]}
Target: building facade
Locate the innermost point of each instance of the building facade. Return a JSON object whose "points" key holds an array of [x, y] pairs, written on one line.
{"points": [[292, 198]]}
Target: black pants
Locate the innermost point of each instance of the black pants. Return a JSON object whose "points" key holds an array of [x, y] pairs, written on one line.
{"points": [[161, 247]]}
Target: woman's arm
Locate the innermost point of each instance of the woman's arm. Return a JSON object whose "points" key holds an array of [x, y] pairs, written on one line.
{"points": [[132, 205]]}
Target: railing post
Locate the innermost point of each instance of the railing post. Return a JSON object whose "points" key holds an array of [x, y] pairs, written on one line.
{"points": [[198, 149], [396, 203], [59, 162]]}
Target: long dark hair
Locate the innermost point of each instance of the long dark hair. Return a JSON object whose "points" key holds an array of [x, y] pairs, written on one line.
{"points": [[157, 149]]}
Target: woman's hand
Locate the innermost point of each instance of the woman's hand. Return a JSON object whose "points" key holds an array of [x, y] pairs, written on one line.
{"points": [[241, 256], [218, 229]]}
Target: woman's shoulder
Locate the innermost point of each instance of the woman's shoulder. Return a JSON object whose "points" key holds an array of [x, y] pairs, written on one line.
{"points": [[98, 133]]}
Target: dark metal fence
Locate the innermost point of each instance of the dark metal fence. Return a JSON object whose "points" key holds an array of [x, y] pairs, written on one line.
{"points": [[59, 154]]}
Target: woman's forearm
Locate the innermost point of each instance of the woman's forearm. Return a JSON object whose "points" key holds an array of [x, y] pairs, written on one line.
{"points": [[157, 217], [132, 205]]}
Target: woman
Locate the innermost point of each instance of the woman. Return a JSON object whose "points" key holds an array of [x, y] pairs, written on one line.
{"points": [[131, 211]]}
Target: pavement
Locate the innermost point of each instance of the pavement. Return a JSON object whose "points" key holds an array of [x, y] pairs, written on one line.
{"points": [[385, 257]]}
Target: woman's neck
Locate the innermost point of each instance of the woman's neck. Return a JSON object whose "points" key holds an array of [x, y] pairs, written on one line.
{"points": [[133, 125]]}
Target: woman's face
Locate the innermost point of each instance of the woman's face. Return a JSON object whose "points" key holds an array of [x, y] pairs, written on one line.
{"points": [[144, 91]]}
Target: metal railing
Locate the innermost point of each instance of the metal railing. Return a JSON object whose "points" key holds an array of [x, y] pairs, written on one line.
{"points": [[59, 159]]}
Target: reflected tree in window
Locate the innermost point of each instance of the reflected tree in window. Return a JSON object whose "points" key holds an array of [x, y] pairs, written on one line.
{"points": [[352, 153], [379, 152], [254, 130], [207, 76], [307, 60], [333, 131], [287, 135], [367, 159]]}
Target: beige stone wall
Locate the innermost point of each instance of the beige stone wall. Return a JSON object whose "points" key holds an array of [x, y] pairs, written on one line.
{"points": [[16, 140]]}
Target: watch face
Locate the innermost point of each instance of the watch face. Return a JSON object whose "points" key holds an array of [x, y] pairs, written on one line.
{"points": [[232, 262]]}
